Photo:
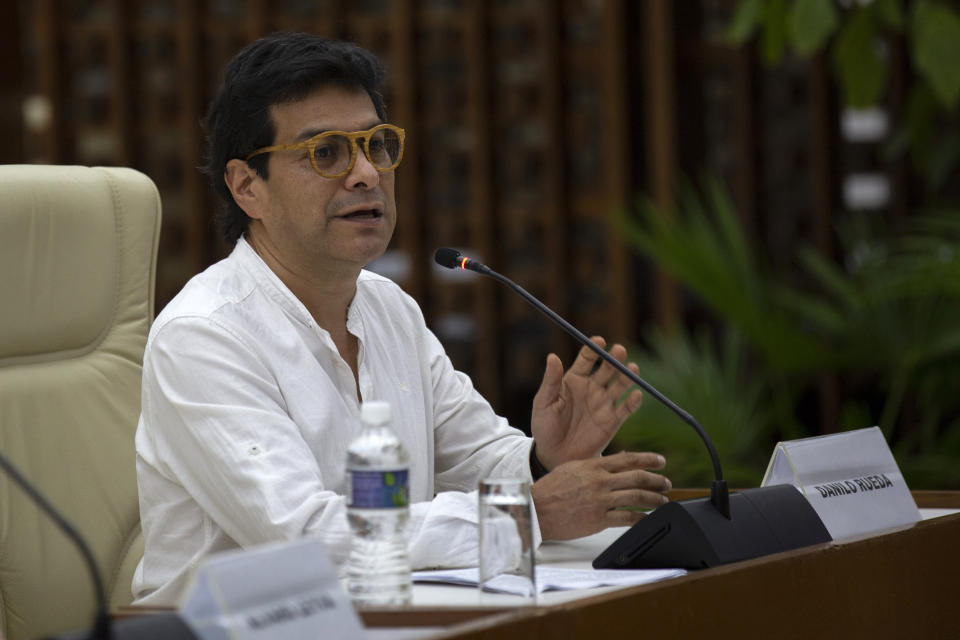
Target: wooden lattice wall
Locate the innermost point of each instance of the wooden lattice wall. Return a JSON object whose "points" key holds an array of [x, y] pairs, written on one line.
{"points": [[529, 122]]}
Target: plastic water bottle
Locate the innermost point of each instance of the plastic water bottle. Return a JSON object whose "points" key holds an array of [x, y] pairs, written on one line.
{"points": [[378, 570]]}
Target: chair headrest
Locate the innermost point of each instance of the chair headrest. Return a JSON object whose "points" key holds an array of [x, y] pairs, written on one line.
{"points": [[61, 249]]}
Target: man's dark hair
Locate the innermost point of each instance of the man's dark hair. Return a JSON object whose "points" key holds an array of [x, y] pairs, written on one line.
{"points": [[278, 68]]}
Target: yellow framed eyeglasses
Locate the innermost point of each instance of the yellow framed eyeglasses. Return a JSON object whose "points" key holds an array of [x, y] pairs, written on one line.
{"points": [[334, 153]]}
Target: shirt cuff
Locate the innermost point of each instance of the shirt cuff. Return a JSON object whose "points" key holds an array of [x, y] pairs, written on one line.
{"points": [[537, 470]]}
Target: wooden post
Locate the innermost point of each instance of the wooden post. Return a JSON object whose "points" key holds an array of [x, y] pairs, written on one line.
{"points": [[661, 154], [11, 84]]}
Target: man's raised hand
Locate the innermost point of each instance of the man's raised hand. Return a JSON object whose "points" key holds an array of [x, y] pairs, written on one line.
{"points": [[576, 414]]}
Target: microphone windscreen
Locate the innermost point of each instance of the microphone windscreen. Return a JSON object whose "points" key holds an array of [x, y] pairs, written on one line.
{"points": [[447, 257]]}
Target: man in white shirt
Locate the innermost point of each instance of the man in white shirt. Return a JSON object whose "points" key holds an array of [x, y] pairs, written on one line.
{"points": [[253, 375]]}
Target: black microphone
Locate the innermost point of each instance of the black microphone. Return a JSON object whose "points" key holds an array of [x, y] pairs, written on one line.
{"points": [[719, 495], [702, 535], [166, 626], [101, 623]]}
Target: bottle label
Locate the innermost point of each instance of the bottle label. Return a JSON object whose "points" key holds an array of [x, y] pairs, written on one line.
{"points": [[378, 489]]}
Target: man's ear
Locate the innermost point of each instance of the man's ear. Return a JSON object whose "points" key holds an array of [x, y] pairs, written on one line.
{"points": [[247, 187]]}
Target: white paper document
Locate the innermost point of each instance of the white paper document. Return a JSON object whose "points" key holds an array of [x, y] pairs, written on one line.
{"points": [[551, 578]]}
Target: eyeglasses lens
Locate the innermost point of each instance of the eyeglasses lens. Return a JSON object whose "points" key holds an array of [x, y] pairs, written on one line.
{"points": [[332, 153], [384, 146]]}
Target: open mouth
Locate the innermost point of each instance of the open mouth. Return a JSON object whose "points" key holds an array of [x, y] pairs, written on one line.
{"points": [[363, 214]]}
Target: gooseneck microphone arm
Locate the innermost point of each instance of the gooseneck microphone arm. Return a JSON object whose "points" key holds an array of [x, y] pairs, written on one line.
{"points": [[101, 628], [719, 493]]}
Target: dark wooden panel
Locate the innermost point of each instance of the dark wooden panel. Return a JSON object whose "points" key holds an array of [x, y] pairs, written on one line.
{"points": [[11, 83], [517, 122]]}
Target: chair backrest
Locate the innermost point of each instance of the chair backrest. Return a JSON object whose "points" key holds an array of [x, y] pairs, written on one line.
{"points": [[78, 251]]}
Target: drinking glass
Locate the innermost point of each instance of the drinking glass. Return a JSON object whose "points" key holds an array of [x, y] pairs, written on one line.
{"points": [[506, 536]]}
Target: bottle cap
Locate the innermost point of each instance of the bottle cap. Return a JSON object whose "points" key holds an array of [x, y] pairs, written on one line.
{"points": [[375, 412]]}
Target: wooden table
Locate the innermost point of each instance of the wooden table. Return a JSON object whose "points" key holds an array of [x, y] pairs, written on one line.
{"points": [[903, 583]]}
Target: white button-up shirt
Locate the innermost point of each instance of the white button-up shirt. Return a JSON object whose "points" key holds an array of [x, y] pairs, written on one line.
{"points": [[248, 410]]}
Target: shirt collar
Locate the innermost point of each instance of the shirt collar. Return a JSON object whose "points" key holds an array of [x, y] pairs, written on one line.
{"points": [[271, 284]]}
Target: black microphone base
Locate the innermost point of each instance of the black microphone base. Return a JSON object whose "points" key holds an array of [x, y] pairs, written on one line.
{"points": [[692, 534]]}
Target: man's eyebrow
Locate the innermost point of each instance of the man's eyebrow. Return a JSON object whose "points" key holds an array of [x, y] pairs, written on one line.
{"points": [[306, 134]]}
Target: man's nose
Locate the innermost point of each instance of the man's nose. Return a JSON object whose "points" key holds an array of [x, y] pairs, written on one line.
{"points": [[363, 175]]}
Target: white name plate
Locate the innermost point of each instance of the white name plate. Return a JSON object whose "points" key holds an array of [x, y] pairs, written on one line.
{"points": [[287, 590], [850, 479]]}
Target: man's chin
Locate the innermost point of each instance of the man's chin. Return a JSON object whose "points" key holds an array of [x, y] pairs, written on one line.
{"points": [[369, 250], [393, 264]]}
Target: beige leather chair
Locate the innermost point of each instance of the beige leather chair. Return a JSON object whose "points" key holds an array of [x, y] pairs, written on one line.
{"points": [[78, 251]]}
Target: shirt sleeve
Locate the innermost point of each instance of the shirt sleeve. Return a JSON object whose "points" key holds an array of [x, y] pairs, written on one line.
{"points": [[472, 441], [218, 426], [445, 533]]}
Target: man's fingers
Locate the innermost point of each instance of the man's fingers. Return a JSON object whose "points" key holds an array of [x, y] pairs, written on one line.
{"points": [[626, 460], [637, 498], [639, 479], [630, 404], [586, 358], [550, 385], [620, 383], [581, 497], [622, 517], [607, 374]]}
